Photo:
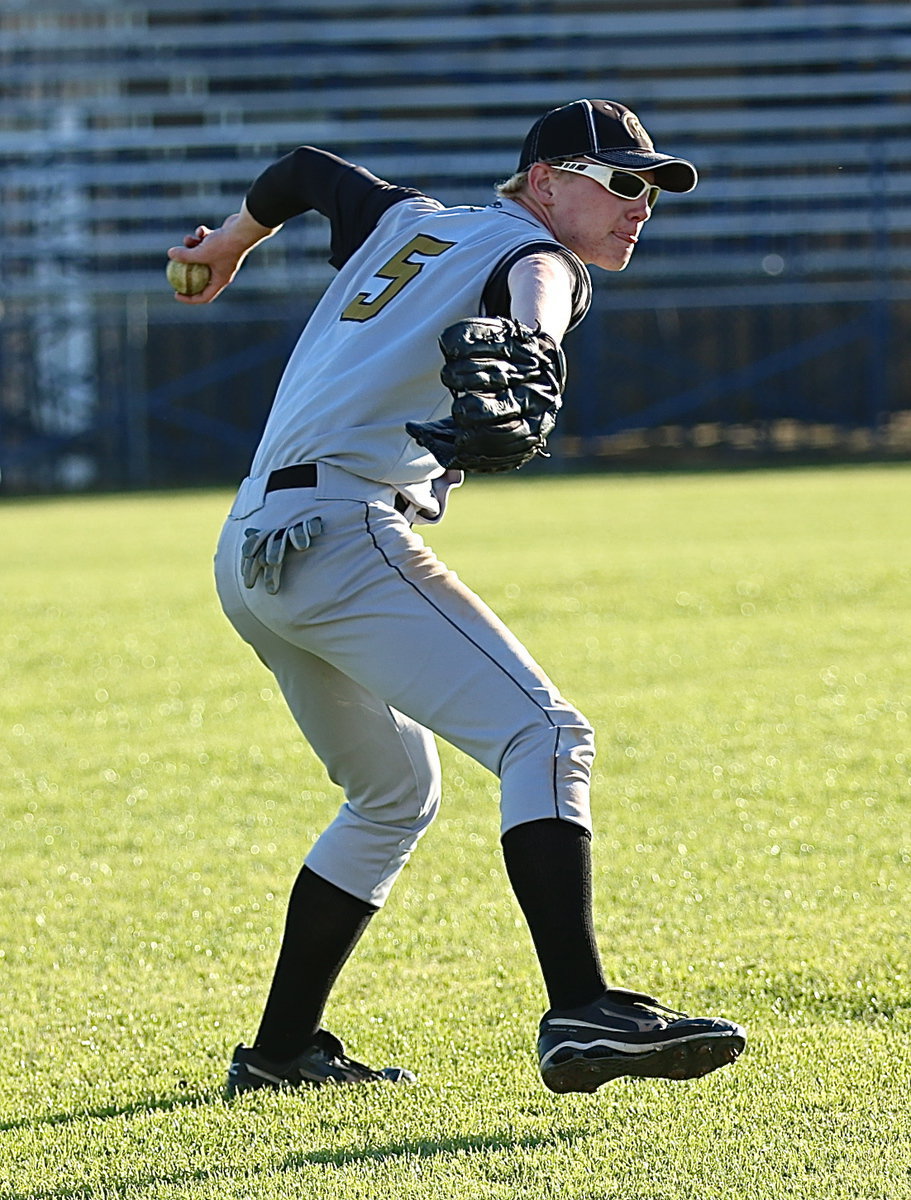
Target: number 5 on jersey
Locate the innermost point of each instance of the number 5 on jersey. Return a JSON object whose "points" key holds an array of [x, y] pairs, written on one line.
{"points": [[399, 270]]}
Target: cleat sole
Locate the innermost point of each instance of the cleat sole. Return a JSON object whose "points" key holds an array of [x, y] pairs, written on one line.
{"points": [[586, 1072]]}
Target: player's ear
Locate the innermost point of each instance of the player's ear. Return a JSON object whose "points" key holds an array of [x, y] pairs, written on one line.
{"points": [[540, 181]]}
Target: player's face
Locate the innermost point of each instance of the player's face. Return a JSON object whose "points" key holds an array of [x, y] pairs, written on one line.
{"points": [[603, 229]]}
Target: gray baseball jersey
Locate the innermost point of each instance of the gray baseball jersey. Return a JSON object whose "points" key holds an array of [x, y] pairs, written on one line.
{"points": [[368, 360]]}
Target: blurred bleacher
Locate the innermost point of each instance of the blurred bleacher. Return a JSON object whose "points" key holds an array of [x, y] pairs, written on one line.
{"points": [[764, 313]]}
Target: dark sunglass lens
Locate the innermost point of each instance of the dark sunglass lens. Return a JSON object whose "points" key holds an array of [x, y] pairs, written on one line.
{"points": [[630, 187]]}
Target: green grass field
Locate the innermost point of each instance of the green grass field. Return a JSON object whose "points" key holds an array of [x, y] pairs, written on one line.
{"points": [[741, 643]]}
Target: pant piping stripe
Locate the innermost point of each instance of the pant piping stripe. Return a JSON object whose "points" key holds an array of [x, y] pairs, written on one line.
{"points": [[556, 759], [468, 638]]}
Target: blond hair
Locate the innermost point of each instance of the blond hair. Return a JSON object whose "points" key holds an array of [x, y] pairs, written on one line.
{"points": [[514, 185]]}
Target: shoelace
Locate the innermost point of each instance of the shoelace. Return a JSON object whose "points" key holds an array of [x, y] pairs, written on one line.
{"points": [[353, 1064], [639, 999], [342, 1062]]}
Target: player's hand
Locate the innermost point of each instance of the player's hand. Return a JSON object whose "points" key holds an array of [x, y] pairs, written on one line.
{"points": [[223, 250], [195, 239], [221, 253]]}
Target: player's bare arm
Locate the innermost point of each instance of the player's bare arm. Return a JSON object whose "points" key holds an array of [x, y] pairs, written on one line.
{"points": [[222, 250], [541, 293]]}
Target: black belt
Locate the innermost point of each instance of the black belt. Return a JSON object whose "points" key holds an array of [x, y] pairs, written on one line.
{"points": [[303, 475]]}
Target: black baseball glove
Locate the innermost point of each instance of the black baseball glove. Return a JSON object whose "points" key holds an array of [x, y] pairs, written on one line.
{"points": [[506, 382]]}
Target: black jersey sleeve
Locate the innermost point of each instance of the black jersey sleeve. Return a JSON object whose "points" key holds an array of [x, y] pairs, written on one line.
{"points": [[495, 299], [308, 178]]}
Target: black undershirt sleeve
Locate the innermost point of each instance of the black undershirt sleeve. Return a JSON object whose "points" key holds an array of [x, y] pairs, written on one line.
{"points": [[495, 300], [308, 178]]}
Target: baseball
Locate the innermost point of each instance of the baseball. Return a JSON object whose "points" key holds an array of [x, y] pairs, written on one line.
{"points": [[188, 278]]}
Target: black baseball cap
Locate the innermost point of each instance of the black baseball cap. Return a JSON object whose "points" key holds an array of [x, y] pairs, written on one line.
{"points": [[606, 131]]}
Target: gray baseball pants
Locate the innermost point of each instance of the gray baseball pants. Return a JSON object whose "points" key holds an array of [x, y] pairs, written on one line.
{"points": [[376, 646]]}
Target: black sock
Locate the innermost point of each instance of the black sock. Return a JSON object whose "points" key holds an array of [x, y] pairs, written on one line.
{"points": [[549, 866], [323, 926]]}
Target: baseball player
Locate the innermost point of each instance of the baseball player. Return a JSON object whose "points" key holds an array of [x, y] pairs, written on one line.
{"points": [[435, 351]]}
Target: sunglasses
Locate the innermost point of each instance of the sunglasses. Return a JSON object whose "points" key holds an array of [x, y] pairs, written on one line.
{"points": [[618, 182]]}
